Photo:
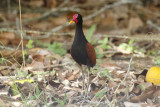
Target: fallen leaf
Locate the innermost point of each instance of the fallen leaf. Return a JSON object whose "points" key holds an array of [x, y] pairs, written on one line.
{"points": [[148, 93], [7, 35], [130, 104]]}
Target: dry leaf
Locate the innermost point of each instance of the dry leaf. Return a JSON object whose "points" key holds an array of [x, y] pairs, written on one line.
{"points": [[7, 35], [66, 82], [129, 104], [38, 57], [148, 93]]}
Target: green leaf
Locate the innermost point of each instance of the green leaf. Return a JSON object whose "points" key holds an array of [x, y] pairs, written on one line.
{"points": [[105, 41], [1, 60], [122, 46], [90, 32], [142, 87], [103, 44], [41, 44], [57, 48], [38, 93], [157, 61], [100, 94], [14, 88], [25, 52], [61, 102], [30, 44], [126, 47], [98, 55], [104, 73], [131, 42]]}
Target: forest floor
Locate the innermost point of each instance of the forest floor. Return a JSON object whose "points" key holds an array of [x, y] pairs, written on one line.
{"points": [[36, 68]]}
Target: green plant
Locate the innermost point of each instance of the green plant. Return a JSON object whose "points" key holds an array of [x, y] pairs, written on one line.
{"points": [[149, 52], [158, 61], [61, 102], [90, 34], [105, 73], [4, 60], [101, 93], [1, 60], [21, 74], [104, 44], [45, 73], [57, 48], [98, 55], [142, 87], [37, 92], [41, 44], [14, 87], [127, 46], [30, 44]]}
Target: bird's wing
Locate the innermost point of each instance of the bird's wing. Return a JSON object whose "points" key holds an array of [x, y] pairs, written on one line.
{"points": [[91, 53]]}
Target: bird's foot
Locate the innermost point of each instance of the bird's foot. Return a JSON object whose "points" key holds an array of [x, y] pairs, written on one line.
{"points": [[85, 93]]}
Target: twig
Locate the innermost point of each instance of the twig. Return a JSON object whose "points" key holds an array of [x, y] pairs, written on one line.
{"points": [[21, 42], [7, 77], [125, 76], [33, 68], [4, 47], [140, 37], [36, 68], [31, 31], [128, 69]]}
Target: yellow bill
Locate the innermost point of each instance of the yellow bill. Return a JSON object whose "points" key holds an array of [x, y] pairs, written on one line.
{"points": [[71, 22]]}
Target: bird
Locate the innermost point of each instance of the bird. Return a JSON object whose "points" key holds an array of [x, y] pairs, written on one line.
{"points": [[81, 50]]}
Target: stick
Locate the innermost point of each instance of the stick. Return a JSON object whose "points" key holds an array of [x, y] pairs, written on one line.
{"points": [[125, 75], [31, 31], [140, 37]]}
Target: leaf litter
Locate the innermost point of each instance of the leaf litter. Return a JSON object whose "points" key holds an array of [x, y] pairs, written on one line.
{"points": [[52, 79]]}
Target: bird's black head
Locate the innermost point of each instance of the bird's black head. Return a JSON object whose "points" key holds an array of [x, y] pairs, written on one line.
{"points": [[77, 18]]}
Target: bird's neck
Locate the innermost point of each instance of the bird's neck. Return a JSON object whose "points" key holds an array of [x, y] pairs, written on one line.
{"points": [[79, 35], [79, 29]]}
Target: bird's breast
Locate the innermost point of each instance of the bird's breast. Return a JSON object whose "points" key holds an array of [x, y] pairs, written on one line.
{"points": [[79, 54]]}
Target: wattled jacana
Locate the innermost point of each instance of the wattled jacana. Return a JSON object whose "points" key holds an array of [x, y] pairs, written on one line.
{"points": [[82, 51]]}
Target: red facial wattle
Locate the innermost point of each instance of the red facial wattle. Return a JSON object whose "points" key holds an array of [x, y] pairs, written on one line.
{"points": [[74, 19]]}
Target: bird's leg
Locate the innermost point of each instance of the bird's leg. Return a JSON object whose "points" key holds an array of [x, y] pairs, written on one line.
{"points": [[88, 79], [83, 78]]}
